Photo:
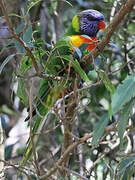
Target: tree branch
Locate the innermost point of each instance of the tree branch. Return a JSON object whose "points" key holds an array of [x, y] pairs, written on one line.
{"points": [[108, 129], [16, 37], [71, 148], [17, 168]]}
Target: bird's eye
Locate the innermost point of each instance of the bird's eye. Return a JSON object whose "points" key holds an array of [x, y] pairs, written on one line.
{"points": [[91, 19]]}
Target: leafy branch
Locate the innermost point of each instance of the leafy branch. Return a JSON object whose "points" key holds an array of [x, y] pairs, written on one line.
{"points": [[24, 45], [74, 145]]}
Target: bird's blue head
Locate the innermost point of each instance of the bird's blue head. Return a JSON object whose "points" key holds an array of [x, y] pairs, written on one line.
{"points": [[88, 22]]}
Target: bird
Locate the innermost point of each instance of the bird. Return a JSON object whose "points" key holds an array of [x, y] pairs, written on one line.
{"points": [[87, 22], [81, 36]]}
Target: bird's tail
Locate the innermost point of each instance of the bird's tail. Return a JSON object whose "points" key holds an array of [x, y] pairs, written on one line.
{"points": [[43, 104]]}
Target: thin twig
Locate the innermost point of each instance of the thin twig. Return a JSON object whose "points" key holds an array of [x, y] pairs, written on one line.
{"points": [[75, 174], [74, 145], [16, 37], [17, 168], [101, 157], [121, 67], [70, 149], [48, 131], [31, 131], [42, 75]]}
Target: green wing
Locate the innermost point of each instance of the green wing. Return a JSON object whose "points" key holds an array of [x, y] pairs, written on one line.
{"points": [[48, 96]]}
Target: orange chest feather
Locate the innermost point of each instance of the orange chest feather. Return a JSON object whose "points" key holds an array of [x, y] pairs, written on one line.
{"points": [[78, 40]]}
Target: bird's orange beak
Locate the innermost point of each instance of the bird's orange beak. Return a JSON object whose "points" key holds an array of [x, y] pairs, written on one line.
{"points": [[102, 26]]}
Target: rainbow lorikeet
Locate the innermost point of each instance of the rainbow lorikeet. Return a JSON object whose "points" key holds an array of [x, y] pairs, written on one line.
{"points": [[87, 22], [82, 31]]}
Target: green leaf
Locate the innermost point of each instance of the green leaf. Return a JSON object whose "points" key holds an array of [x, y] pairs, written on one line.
{"points": [[109, 86], [124, 119], [62, 43], [8, 111], [80, 71], [68, 3], [123, 93], [27, 34], [124, 165], [99, 129], [26, 64], [93, 75], [110, 112], [5, 62], [21, 93], [60, 178], [26, 37], [15, 15], [23, 13], [17, 44], [128, 172], [19, 47], [8, 151], [33, 4], [107, 82], [20, 28]]}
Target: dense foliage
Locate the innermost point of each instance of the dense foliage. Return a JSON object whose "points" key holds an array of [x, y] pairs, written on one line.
{"points": [[100, 143]]}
